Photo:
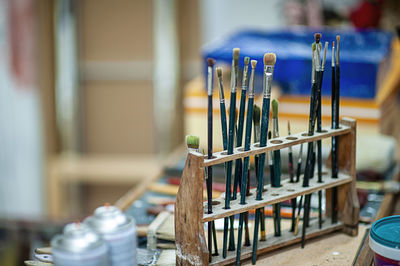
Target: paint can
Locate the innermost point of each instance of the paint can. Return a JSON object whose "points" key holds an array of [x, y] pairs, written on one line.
{"points": [[118, 231], [384, 240], [79, 245]]}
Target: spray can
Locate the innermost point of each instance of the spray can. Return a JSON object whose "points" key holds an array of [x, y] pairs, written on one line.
{"points": [[79, 245], [118, 231]]}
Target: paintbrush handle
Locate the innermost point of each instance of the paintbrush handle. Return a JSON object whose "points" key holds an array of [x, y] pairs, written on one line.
{"points": [[308, 170], [263, 143], [224, 127], [242, 107], [298, 173], [291, 172]]}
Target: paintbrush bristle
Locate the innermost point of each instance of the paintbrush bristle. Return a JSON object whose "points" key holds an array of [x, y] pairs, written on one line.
{"points": [[219, 72], [192, 142], [235, 54], [246, 60], [269, 59], [253, 63], [274, 108], [210, 62], [317, 37], [333, 44], [288, 126], [256, 114], [337, 38]]}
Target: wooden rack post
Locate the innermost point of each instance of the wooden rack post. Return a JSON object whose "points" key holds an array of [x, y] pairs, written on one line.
{"points": [[191, 248]]}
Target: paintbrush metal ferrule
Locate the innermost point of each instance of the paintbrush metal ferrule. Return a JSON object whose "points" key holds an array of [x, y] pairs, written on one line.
{"points": [[275, 127], [251, 84], [233, 79], [221, 90], [269, 69], [313, 80], [324, 57], [209, 81], [244, 77], [267, 85], [333, 54]]}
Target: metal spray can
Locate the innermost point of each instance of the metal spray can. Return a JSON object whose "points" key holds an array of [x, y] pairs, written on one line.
{"points": [[118, 231], [79, 245]]}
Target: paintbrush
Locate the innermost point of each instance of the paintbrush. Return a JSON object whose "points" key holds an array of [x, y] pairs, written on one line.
{"points": [[335, 140], [276, 180], [232, 110], [319, 142], [210, 62], [269, 63], [257, 132], [291, 179], [239, 135], [193, 144], [246, 161], [299, 161], [222, 109], [301, 198], [310, 152]]}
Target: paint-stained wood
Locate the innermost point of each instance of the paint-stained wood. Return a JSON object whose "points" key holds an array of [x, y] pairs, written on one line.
{"points": [[191, 247]]}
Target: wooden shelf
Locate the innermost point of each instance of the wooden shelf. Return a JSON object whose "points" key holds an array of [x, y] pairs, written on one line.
{"points": [[274, 144], [272, 195]]}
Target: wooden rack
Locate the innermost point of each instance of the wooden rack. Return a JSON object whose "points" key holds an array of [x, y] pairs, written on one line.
{"points": [[191, 248]]}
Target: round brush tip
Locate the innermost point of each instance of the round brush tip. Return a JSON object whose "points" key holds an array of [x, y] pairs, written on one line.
{"points": [[246, 60], [210, 62], [219, 72], [192, 142], [337, 38], [253, 63], [275, 105], [269, 59], [317, 37], [236, 52]]}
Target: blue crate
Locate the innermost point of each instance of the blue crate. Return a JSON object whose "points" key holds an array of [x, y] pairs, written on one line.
{"points": [[361, 52]]}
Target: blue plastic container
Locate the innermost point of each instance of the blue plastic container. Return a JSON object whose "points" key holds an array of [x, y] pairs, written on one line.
{"points": [[361, 52], [384, 240]]}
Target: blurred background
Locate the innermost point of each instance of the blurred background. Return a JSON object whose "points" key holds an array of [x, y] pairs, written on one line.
{"points": [[96, 95]]}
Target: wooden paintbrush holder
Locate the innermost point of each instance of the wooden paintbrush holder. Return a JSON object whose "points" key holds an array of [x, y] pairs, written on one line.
{"points": [[191, 248]]}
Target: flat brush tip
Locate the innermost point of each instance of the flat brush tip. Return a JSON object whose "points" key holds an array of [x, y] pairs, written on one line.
{"points": [[253, 63], [210, 62], [219, 72], [269, 59], [236, 52], [256, 114], [275, 105], [246, 60], [317, 37], [192, 142]]}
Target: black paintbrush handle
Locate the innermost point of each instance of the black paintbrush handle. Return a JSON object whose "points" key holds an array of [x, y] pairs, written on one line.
{"points": [[291, 174], [298, 172]]}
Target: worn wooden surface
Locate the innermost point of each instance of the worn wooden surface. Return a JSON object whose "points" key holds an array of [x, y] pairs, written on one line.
{"points": [[190, 242]]}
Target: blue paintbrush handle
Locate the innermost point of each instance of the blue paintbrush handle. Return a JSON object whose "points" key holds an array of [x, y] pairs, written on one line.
{"points": [[223, 125]]}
